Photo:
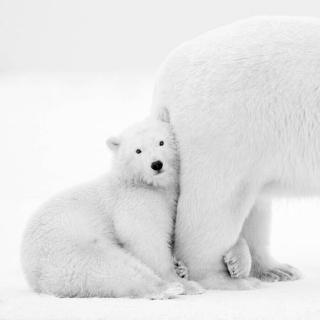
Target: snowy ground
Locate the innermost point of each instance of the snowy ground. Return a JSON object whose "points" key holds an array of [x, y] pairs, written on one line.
{"points": [[52, 133]]}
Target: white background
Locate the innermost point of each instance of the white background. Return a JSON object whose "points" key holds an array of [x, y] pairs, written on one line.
{"points": [[74, 72], [104, 35]]}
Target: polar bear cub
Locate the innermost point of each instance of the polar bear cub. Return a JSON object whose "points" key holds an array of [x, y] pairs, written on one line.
{"points": [[238, 260], [111, 237]]}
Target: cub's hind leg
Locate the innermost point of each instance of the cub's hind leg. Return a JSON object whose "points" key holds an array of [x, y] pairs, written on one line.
{"points": [[238, 259], [125, 275], [95, 269]]}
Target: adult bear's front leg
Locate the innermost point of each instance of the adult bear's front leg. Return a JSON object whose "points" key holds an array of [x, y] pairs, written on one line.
{"points": [[212, 207]]}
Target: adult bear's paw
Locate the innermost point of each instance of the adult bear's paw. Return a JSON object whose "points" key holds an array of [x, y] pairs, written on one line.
{"points": [[277, 272]]}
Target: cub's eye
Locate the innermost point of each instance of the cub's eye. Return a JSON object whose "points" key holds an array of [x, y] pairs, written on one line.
{"points": [[161, 143], [138, 151]]}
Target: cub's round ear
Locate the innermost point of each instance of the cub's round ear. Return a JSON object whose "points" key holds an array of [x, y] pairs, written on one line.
{"points": [[164, 115], [113, 143]]}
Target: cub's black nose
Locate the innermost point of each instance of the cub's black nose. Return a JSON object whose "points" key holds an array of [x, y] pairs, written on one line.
{"points": [[157, 165]]}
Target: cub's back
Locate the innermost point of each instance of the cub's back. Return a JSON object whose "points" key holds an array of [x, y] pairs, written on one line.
{"points": [[71, 219]]}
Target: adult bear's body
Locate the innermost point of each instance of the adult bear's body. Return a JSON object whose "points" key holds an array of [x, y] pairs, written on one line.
{"points": [[244, 101]]}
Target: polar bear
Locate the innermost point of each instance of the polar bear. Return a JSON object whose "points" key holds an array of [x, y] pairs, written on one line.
{"points": [[244, 103], [110, 237]]}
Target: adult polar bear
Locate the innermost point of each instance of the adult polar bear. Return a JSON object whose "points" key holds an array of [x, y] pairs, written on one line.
{"points": [[244, 101]]}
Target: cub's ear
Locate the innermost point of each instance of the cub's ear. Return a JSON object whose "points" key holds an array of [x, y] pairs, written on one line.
{"points": [[113, 143], [164, 115]]}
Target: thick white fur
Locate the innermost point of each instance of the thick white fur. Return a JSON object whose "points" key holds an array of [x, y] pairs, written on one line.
{"points": [[111, 237], [244, 102]]}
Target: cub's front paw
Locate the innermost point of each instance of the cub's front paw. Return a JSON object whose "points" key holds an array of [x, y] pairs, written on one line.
{"points": [[181, 269], [225, 282], [168, 290], [192, 287]]}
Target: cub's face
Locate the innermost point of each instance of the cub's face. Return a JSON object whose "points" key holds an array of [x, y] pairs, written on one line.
{"points": [[146, 153]]}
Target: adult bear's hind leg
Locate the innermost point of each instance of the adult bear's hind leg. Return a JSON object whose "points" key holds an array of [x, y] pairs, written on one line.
{"points": [[256, 231]]}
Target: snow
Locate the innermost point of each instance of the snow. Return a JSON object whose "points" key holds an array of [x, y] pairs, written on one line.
{"points": [[295, 300], [52, 132]]}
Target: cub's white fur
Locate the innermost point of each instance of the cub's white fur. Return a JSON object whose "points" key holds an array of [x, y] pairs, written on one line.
{"points": [[244, 102], [111, 237]]}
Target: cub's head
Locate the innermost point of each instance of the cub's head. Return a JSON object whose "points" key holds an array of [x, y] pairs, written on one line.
{"points": [[146, 153]]}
